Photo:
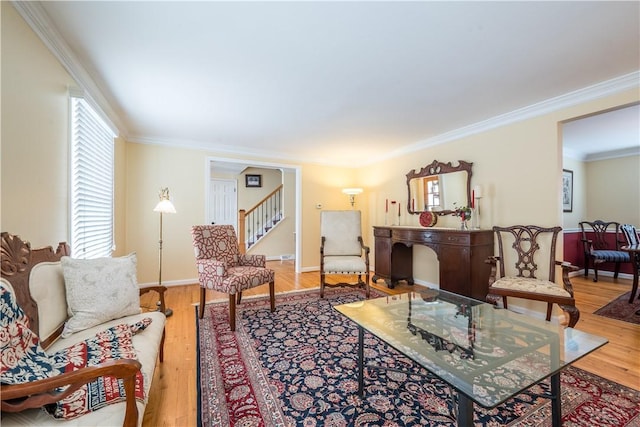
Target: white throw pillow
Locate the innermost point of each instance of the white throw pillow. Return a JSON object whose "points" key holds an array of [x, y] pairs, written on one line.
{"points": [[99, 290]]}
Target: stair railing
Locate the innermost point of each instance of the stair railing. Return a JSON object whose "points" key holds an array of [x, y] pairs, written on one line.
{"points": [[257, 221]]}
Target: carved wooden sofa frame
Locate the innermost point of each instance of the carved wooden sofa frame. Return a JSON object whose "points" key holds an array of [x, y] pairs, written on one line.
{"points": [[18, 260]]}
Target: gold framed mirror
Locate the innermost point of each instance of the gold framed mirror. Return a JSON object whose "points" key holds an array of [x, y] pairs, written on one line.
{"points": [[439, 187]]}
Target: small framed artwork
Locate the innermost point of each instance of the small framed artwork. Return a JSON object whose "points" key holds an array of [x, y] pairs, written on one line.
{"points": [[567, 190], [253, 180]]}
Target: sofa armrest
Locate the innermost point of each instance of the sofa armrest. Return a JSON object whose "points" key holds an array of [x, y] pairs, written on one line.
{"points": [[35, 394], [160, 289]]}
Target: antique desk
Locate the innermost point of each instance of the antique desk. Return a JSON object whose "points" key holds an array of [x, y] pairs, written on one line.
{"points": [[461, 255], [487, 354]]}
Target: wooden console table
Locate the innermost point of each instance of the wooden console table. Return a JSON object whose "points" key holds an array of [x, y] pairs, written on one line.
{"points": [[461, 255]]}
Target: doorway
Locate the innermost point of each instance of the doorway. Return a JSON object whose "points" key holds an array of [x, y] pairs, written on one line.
{"points": [[234, 167]]}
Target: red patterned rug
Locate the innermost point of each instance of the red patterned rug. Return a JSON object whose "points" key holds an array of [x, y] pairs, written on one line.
{"points": [[296, 367], [620, 309]]}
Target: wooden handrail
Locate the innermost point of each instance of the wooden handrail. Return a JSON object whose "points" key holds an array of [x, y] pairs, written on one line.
{"points": [[242, 214], [278, 188]]}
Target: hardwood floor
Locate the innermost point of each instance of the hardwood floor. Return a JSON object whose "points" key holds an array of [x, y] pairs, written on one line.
{"points": [[173, 396]]}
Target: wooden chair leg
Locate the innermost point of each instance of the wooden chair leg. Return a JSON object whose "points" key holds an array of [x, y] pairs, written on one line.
{"points": [[272, 295], [573, 312], [595, 272], [203, 292], [549, 309], [232, 312], [239, 297], [321, 285], [368, 287], [617, 270]]}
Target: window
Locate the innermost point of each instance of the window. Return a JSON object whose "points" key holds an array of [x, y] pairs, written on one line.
{"points": [[92, 158]]}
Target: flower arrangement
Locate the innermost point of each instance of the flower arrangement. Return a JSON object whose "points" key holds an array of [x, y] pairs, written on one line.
{"points": [[464, 212]]}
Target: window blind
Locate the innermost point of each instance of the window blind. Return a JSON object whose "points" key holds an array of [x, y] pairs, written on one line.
{"points": [[92, 164]]}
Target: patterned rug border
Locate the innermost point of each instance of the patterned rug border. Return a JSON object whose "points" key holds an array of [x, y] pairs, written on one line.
{"points": [[620, 309], [574, 411], [264, 295]]}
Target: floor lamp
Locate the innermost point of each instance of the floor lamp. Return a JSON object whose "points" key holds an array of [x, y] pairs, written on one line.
{"points": [[164, 206]]}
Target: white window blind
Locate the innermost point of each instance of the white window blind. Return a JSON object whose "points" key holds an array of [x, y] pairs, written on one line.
{"points": [[92, 164]]}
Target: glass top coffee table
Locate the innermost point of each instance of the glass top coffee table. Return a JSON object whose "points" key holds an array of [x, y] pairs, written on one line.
{"points": [[486, 354]]}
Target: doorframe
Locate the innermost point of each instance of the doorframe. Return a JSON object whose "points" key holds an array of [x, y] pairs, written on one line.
{"points": [[249, 163]]}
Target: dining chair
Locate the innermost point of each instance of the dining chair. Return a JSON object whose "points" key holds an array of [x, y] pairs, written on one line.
{"points": [[601, 243], [523, 253]]}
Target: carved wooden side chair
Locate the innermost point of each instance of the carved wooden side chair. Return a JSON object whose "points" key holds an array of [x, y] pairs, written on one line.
{"points": [[222, 268], [342, 250], [523, 251], [630, 234], [601, 241]]}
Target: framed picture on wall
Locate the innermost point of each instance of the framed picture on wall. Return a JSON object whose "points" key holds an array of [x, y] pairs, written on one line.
{"points": [[567, 190], [253, 180]]}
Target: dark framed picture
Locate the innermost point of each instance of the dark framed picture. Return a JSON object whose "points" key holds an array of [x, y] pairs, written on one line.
{"points": [[567, 190], [253, 180]]}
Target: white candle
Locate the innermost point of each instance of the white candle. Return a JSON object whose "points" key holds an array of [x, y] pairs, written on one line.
{"points": [[477, 191]]}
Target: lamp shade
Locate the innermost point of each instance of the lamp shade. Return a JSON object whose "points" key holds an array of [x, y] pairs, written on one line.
{"points": [[352, 191], [165, 206]]}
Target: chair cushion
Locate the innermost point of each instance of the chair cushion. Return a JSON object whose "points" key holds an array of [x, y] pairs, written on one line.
{"points": [[236, 279], [613, 256], [217, 242], [525, 284], [341, 230], [344, 264]]}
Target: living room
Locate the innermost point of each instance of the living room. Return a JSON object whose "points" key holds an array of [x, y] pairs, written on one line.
{"points": [[517, 159]]}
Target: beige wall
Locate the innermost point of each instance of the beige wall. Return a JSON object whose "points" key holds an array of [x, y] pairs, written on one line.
{"points": [[35, 135], [519, 166], [613, 190]]}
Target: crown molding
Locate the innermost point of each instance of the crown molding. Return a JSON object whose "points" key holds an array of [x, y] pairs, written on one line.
{"points": [[613, 154], [35, 16], [589, 93], [37, 19]]}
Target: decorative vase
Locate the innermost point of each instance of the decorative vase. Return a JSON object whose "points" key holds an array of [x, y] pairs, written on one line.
{"points": [[463, 225]]}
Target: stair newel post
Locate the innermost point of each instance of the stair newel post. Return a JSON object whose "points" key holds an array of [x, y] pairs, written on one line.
{"points": [[241, 232]]}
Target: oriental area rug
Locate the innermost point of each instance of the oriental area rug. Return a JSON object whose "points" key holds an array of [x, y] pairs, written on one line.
{"points": [[297, 367], [620, 309]]}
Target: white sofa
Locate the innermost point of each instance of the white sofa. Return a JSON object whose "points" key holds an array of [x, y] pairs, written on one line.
{"points": [[43, 282]]}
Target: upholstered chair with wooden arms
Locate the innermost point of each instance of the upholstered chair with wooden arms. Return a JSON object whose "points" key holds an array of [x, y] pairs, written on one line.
{"points": [[630, 234], [222, 268], [342, 250], [601, 241], [523, 251]]}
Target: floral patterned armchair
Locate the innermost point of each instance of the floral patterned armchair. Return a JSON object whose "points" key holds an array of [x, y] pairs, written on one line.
{"points": [[222, 268]]}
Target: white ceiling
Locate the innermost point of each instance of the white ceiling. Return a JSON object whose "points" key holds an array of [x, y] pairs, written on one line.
{"points": [[334, 82]]}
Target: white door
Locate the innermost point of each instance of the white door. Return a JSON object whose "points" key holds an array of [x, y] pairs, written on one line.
{"points": [[223, 202]]}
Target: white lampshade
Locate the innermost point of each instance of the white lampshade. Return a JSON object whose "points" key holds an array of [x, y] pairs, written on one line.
{"points": [[352, 191], [165, 206]]}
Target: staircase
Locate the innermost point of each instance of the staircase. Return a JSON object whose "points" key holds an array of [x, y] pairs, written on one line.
{"points": [[256, 222]]}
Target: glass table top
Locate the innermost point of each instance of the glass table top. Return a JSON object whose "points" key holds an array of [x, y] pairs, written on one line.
{"points": [[486, 353]]}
